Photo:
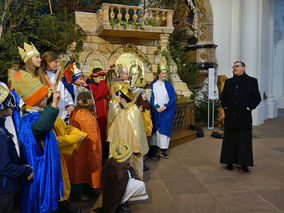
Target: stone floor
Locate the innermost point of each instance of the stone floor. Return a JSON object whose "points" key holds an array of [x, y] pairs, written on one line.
{"points": [[193, 180]]}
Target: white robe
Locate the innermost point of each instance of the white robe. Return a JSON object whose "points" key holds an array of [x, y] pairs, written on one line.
{"points": [[135, 190], [65, 96]]}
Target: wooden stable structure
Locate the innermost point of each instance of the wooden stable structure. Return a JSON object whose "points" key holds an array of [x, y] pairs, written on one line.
{"points": [[184, 117]]}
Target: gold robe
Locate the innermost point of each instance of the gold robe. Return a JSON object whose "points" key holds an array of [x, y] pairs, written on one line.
{"points": [[146, 117], [67, 138]]}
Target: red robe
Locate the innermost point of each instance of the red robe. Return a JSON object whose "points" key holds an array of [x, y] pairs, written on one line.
{"points": [[100, 93]]}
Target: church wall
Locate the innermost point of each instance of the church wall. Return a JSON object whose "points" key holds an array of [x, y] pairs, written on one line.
{"points": [[222, 34], [243, 31]]}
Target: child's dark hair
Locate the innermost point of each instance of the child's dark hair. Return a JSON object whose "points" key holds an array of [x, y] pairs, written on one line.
{"points": [[140, 101], [84, 100], [98, 69]]}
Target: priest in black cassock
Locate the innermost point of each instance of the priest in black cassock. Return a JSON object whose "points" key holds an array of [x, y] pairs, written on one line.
{"points": [[239, 97]]}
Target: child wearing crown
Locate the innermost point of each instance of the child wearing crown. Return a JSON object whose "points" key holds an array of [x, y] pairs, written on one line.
{"points": [[68, 138], [120, 182], [85, 164], [122, 110], [163, 102]]}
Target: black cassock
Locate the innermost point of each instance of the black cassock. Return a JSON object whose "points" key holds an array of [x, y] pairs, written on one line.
{"points": [[239, 93]]}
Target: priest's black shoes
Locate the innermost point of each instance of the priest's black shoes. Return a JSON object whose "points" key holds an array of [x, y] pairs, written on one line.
{"points": [[246, 168], [230, 167]]}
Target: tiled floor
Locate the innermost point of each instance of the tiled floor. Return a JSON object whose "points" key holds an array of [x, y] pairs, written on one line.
{"points": [[193, 180]]}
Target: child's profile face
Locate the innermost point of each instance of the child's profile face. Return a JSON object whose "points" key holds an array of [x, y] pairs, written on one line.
{"points": [[42, 102], [143, 94], [80, 81], [52, 66], [36, 60]]}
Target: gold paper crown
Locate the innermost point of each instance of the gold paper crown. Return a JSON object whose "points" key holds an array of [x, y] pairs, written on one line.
{"points": [[163, 67], [28, 51], [29, 88], [124, 90], [120, 151]]}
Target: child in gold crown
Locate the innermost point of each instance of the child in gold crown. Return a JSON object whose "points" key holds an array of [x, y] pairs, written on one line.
{"points": [[122, 110], [120, 181], [40, 126]]}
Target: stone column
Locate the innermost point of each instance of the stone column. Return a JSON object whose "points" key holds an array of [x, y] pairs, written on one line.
{"points": [[279, 66], [250, 36], [235, 30], [272, 103], [251, 48], [164, 40]]}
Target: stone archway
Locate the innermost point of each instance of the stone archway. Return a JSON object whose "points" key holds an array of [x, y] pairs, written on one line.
{"points": [[87, 59], [130, 48]]}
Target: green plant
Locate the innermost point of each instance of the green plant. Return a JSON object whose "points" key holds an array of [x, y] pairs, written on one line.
{"points": [[136, 24], [152, 22], [166, 54], [8, 56], [124, 24], [188, 71], [113, 22], [201, 108], [47, 32]]}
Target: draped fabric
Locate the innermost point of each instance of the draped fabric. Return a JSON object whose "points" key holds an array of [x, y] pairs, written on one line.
{"points": [[100, 93], [65, 96], [163, 121], [126, 123], [69, 87], [85, 164], [146, 117], [114, 180], [42, 195], [67, 138]]}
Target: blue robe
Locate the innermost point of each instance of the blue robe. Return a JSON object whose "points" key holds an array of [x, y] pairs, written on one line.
{"points": [[42, 195], [164, 121]]}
